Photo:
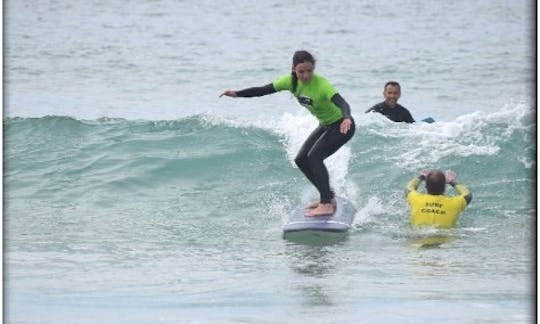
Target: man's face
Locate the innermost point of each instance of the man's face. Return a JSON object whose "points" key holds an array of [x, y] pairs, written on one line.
{"points": [[391, 95]]}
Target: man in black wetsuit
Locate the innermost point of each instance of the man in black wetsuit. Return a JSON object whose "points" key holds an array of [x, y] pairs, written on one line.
{"points": [[389, 107]]}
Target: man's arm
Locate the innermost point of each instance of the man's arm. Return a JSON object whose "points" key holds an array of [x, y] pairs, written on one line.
{"points": [[462, 191], [406, 115], [413, 184], [374, 108]]}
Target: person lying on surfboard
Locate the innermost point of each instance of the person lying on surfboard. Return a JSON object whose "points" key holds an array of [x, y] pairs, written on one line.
{"points": [[390, 107], [336, 125]]}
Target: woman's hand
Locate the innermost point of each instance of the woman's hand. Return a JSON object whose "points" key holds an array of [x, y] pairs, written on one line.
{"points": [[345, 126], [228, 93]]}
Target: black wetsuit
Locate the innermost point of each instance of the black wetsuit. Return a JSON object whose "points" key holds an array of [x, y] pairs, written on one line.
{"points": [[323, 142], [397, 114]]}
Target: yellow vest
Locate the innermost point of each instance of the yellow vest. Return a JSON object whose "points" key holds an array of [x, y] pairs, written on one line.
{"points": [[435, 210]]}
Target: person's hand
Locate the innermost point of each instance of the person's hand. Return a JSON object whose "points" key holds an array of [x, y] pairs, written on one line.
{"points": [[345, 126], [450, 176], [228, 93], [425, 172]]}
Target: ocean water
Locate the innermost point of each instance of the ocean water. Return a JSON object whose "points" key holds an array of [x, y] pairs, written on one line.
{"points": [[133, 194]]}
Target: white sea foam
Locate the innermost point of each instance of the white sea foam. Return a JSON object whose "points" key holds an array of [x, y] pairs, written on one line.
{"points": [[477, 133], [527, 162], [374, 207]]}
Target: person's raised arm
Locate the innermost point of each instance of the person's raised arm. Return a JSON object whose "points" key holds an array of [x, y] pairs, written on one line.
{"points": [[459, 188], [250, 92], [413, 184]]}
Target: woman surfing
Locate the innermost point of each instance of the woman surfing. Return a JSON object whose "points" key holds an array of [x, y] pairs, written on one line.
{"points": [[336, 125]]}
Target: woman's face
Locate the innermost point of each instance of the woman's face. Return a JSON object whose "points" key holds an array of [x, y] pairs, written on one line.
{"points": [[304, 71]]}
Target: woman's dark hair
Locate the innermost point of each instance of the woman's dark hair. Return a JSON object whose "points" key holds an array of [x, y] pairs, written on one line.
{"points": [[435, 182], [300, 57]]}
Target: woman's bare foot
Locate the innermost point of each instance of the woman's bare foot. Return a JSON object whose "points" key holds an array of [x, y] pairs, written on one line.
{"points": [[312, 205], [321, 210], [315, 204]]}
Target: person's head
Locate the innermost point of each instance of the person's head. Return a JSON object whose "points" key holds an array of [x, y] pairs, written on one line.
{"points": [[435, 182], [303, 65], [391, 93]]}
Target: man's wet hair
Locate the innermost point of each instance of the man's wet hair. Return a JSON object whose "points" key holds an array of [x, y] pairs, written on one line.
{"points": [[435, 182]]}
